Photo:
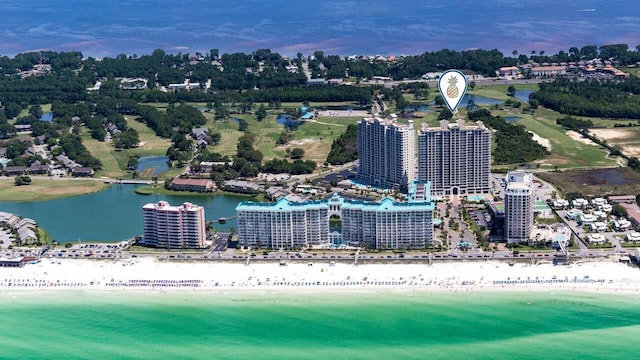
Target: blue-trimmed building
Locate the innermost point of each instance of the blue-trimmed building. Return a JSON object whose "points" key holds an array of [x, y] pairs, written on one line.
{"points": [[386, 224]]}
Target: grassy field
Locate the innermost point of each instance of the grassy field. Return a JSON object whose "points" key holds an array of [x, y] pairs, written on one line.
{"points": [[151, 144], [105, 152], [565, 151], [45, 189], [315, 137], [499, 91], [44, 236], [158, 189], [612, 181], [114, 161], [45, 109]]}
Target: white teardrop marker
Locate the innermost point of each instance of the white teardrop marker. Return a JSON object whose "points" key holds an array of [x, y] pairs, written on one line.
{"points": [[452, 86]]}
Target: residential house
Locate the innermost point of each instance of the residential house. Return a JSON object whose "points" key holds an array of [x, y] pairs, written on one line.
{"points": [[316, 82], [579, 203], [15, 170], [113, 129], [509, 72], [560, 204], [633, 213], [201, 133], [30, 151], [275, 193], [629, 199], [22, 128], [27, 235], [39, 140], [197, 185], [38, 168], [548, 71], [133, 84], [621, 224], [596, 239], [66, 162], [206, 166], [241, 186], [82, 171], [633, 237]]}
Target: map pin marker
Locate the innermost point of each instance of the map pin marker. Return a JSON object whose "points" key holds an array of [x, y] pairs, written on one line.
{"points": [[452, 86]]}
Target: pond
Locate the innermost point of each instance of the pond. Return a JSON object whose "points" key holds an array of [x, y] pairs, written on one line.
{"points": [[477, 99], [420, 108], [523, 95], [47, 117], [158, 164], [288, 122], [113, 214], [512, 118]]}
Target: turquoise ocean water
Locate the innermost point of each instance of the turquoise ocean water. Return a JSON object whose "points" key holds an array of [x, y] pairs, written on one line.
{"points": [[340, 325]]}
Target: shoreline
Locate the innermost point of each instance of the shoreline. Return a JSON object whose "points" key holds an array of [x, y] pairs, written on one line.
{"points": [[151, 276], [40, 189]]}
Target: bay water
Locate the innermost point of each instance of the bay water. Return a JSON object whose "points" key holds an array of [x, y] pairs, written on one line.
{"points": [[108, 28], [113, 214]]}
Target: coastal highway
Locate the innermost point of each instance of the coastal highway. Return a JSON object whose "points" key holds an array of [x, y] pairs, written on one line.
{"points": [[117, 251]]}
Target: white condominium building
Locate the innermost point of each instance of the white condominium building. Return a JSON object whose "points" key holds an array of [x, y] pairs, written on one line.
{"points": [[383, 225], [386, 153], [518, 207], [173, 227], [455, 158]]}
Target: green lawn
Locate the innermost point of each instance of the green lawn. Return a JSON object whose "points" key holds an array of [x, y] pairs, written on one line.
{"points": [[114, 161], [45, 109], [499, 91], [565, 152], [105, 152], [45, 189], [315, 137], [151, 144]]}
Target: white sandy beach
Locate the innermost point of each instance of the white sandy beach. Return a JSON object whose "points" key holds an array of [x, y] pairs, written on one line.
{"points": [[152, 275]]}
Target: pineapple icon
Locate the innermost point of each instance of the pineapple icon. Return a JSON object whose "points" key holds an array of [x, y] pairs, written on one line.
{"points": [[452, 89]]}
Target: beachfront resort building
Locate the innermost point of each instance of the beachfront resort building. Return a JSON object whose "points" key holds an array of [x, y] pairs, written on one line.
{"points": [[386, 224], [386, 153], [173, 227], [518, 207], [455, 158]]}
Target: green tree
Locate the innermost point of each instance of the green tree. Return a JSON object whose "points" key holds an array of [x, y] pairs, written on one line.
{"points": [[22, 180], [618, 210], [243, 125], [261, 113], [297, 153], [511, 90], [35, 111], [445, 114], [132, 163], [11, 109]]}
